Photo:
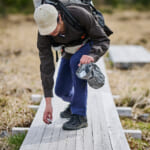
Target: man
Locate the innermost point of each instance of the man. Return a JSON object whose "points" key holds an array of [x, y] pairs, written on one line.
{"points": [[54, 30]]}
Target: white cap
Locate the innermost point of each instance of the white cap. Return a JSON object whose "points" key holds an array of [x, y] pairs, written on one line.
{"points": [[46, 18]]}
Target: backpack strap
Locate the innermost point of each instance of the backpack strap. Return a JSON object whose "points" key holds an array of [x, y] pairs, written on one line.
{"points": [[42, 1], [68, 17], [57, 57]]}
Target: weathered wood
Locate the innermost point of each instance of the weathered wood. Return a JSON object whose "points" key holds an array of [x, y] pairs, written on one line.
{"points": [[51, 132], [116, 97], [34, 107], [88, 132], [100, 131], [35, 133], [125, 56], [116, 134], [136, 134], [124, 111], [104, 131], [36, 98], [19, 130]]}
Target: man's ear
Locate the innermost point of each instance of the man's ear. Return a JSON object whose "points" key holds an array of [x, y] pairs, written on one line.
{"points": [[60, 18]]}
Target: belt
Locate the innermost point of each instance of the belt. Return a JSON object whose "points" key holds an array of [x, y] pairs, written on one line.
{"points": [[70, 49]]}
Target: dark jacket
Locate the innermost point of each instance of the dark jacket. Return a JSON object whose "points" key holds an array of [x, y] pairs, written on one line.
{"points": [[92, 29]]}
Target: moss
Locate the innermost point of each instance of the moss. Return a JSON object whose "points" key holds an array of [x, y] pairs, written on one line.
{"points": [[127, 101], [147, 92], [15, 141], [3, 102], [147, 109], [135, 124], [106, 10], [136, 144], [143, 126], [109, 63]]}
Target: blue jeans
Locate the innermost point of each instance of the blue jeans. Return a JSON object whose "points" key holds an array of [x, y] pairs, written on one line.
{"points": [[68, 86]]}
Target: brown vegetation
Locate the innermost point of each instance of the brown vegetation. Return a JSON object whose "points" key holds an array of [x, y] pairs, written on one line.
{"points": [[19, 70], [19, 66]]}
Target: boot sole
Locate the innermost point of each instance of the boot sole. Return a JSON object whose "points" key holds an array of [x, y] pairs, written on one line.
{"points": [[77, 128], [67, 117]]}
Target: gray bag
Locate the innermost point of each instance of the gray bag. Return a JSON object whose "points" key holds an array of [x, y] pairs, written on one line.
{"points": [[92, 73]]}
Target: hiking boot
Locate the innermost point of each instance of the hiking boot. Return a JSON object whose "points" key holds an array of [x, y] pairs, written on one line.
{"points": [[76, 122], [66, 113]]}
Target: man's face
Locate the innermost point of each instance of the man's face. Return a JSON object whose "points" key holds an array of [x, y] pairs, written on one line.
{"points": [[56, 31], [59, 28]]}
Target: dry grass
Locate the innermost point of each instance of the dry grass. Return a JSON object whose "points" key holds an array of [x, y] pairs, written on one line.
{"points": [[144, 127], [133, 86], [130, 27], [19, 66], [19, 70]]}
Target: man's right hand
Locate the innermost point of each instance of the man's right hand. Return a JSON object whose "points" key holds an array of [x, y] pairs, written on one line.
{"points": [[48, 113]]}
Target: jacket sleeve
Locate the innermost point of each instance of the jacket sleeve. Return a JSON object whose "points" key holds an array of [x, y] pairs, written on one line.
{"points": [[47, 64], [94, 31]]}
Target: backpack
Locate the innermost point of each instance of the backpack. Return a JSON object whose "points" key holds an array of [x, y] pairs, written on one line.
{"points": [[60, 6]]}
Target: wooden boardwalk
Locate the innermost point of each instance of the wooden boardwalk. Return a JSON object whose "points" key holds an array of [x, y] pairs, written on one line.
{"points": [[104, 131], [124, 56]]}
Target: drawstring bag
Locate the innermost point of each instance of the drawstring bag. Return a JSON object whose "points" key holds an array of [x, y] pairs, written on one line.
{"points": [[92, 73]]}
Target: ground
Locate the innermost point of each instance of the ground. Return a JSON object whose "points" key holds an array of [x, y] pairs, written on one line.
{"points": [[20, 76]]}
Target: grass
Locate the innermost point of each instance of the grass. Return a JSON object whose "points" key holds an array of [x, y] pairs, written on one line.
{"points": [[12, 142], [136, 144], [144, 127], [15, 141], [3, 102], [19, 69], [132, 85]]}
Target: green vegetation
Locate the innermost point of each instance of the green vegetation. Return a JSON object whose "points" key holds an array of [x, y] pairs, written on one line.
{"points": [[118, 2], [15, 141], [136, 144], [109, 5], [26, 6], [3, 102], [144, 127], [15, 6]]}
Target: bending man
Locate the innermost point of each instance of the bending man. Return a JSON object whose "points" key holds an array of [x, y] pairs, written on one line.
{"points": [[80, 47]]}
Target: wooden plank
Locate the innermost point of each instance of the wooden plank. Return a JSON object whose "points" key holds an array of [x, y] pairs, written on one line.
{"points": [[58, 139], [62, 144], [100, 131], [116, 134], [124, 111], [100, 134], [136, 134], [88, 140], [19, 130], [71, 140], [79, 140], [51, 133], [35, 133], [126, 55], [33, 139]]}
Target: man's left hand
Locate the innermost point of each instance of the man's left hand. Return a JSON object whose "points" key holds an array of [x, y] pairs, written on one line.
{"points": [[85, 59]]}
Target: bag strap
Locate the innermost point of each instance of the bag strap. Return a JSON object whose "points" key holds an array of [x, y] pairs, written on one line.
{"points": [[69, 18], [42, 1]]}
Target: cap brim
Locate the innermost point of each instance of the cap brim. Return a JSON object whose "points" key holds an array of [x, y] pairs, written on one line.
{"points": [[48, 30]]}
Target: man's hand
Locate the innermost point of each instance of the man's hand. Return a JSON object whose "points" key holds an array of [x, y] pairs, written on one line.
{"points": [[48, 113], [85, 59]]}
